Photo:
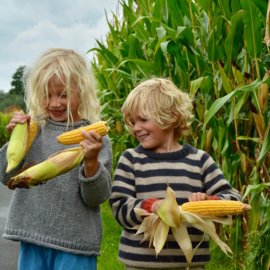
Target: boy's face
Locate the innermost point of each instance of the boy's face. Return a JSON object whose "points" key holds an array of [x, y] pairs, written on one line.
{"points": [[151, 136], [56, 107]]}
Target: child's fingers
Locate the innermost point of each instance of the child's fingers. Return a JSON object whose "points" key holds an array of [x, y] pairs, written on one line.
{"points": [[18, 118], [92, 136], [198, 196]]}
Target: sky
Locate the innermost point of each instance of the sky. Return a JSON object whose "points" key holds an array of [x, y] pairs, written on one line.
{"points": [[29, 27]]}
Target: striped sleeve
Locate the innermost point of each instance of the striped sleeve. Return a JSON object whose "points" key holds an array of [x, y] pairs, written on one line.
{"points": [[215, 182], [123, 197]]}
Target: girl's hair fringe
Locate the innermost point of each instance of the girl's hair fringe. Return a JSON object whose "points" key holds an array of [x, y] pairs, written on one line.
{"points": [[161, 100], [70, 67]]}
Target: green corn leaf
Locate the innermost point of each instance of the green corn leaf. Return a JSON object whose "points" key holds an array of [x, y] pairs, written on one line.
{"points": [[132, 47], [176, 12], [225, 8], [232, 41], [174, 50], [245, 138], [221, 101], [265, 148], [141, 33], [253, 29], [254, 190], [212, 47], [194, 86], [226, 83]]}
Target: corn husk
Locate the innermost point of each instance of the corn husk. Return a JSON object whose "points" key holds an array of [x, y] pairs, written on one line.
{"points": [[17, 146], [156, 228], [57, 164]]}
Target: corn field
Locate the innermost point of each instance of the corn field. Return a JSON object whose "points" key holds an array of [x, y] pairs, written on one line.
{"points": [[216, 51]]}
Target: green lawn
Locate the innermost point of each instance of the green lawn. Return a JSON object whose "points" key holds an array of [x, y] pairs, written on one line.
{"points": [[110, 241]]}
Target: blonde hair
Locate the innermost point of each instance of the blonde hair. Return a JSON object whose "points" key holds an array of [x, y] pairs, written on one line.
{"points": [[161, 100], [69, 66]]}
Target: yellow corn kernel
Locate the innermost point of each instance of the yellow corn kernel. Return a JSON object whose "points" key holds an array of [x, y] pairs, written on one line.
{"points": [[33, 129], [17, 146], [57, 164], [75, 136], [217, 208]]}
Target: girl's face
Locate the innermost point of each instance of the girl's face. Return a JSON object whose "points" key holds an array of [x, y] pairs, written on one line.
{"points": [[56, 106], [152, 137]]}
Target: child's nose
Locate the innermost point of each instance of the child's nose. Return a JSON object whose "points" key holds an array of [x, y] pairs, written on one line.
{"points": [[136, 127], [54, 102]]}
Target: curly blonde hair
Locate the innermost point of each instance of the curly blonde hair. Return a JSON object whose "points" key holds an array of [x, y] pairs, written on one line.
{"points": [[67, 64], [161, 100]]}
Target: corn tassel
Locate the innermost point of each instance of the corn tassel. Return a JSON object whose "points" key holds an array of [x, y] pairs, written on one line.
{"points": [[217, 208], [75, 136], [33, 129], [57, 164], [17, 146]]}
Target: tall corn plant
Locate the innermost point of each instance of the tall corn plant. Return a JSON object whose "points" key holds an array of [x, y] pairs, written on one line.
{"points": [[215, 51]]}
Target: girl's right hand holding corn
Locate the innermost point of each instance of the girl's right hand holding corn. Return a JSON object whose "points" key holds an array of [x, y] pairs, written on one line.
{"points": [[18, 118], [92, 145]]}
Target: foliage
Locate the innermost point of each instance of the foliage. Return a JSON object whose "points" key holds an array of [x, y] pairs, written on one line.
{"points": [[214, 51], [4, 121], [15, 96], [17, 83]]}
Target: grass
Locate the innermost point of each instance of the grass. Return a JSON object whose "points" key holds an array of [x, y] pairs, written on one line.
{"points": [[110, 241]]}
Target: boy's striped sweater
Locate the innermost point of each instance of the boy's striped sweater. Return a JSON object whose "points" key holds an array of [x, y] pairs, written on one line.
{"points": [[142, 174]]}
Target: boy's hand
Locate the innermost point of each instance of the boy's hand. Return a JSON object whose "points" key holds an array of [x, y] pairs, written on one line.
{"points": [[155, 206], [92, 145], [18, 118], [194, 197]]}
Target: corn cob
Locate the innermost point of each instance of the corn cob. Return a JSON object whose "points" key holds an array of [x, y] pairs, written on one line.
{"points": [[75, 136], [17, 146], [216, 208], [33, 128], [57, 164]]}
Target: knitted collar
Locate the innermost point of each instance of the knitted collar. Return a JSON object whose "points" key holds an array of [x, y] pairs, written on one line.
{"points": [[186, 150]]}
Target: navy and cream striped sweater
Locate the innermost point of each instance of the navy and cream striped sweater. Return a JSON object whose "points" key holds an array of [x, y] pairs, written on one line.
{"points": [[142, 174]]}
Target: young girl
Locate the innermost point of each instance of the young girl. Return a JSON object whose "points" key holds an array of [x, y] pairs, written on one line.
{"points": [[158, 114], [59, 223]]}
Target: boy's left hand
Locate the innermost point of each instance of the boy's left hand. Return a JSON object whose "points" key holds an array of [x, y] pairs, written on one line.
{"points": [[92, 145], [194, 197]]}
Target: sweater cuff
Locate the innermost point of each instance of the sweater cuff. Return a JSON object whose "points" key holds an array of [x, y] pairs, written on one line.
{"points": [[214, 198], [147, 204]]}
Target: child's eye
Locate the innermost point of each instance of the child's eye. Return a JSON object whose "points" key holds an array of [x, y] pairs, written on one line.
{"points": [[64, 96]]}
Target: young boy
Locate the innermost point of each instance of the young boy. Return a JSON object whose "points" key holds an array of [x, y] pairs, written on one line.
{"points": [[158, 114]]}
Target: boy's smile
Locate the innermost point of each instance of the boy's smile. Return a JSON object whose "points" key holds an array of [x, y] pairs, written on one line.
{"points": [[152, 137]]}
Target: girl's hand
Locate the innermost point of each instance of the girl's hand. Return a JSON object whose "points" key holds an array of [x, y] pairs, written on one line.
{"points": [[92, 145], [194, 197], [155, 206], [18, 118]]}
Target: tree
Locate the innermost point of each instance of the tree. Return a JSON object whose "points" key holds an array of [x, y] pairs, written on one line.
{"points": [[17, 84], [15, 96]]}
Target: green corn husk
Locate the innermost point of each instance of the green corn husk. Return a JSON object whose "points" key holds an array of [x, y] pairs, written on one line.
{"points": [[57, 164], [17, 146]]}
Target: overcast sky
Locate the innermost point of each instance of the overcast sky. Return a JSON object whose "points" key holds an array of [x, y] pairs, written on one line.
{"points": [[29, 27]]}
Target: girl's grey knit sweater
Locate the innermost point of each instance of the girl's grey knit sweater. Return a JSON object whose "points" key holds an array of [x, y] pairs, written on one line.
{"points": [[64, 213]]}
